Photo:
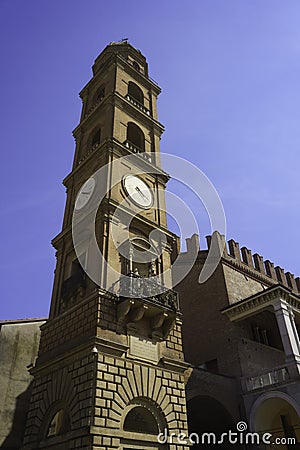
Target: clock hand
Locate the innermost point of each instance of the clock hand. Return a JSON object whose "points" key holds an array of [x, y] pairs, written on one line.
{"points": [[140, 192]]}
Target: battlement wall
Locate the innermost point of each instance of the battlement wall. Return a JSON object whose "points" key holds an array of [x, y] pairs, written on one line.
{"points": [[243, 259]]}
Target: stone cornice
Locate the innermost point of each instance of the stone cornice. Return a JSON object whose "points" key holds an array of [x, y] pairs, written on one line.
{"points": [[116, 99], [94, 295], [95, 77], [237, 265], [58, 361], [137, 114], [102, 345], [115, 147], [174, 364], [261, 300], [110, 347], [113, 205], [143, 79], [118, 60], [108, 99], [247, 270], [150, 168], [23, 321]]}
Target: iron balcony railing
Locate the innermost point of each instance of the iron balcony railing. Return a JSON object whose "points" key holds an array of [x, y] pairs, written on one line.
{"points": [[146, 288]]}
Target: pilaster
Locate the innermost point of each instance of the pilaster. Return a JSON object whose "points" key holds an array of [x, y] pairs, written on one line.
{"points": [[290, 339]]}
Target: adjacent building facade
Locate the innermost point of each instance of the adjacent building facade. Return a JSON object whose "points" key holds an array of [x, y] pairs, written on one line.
{"points": [[120, 359], [241, 335]]}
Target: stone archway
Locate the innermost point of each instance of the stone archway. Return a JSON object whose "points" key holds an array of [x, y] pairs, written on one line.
{"points": [[208, 415], [278, 414]]}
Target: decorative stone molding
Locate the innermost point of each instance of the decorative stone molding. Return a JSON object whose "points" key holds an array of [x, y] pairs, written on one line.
{"points": [[260, 301]]}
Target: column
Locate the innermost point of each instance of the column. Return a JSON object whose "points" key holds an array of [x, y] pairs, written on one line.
{"points": [[288, 332]]}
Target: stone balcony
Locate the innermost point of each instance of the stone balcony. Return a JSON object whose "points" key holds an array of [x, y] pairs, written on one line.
{"points": [[137, 150], [276, 376], [138, 105], [146, 307]]}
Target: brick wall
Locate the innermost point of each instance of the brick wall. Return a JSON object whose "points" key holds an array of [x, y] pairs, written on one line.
{"points": [[97, 389], [77, 325]]}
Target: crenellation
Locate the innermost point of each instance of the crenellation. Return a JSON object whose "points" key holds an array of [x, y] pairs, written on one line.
{"points": [[259, 263], [219, 239], [193, 244], [291, 281], [280, 275], [270, 270], [234, 250], [208, 241], [247, 256], [255, 263]]}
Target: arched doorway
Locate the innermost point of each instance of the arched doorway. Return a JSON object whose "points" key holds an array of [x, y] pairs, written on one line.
{"points": [[207, 415], [277, 416]]}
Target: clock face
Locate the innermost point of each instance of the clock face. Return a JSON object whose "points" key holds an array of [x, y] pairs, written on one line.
{"points": [[85, 193], [138, 191]]}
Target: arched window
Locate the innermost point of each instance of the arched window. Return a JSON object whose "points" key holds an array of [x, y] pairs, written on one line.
{"points": [[141, 420], [135, 92], [96, 136], [141, 423], [59, 424], [136, 66], [139, 256], [135, 136], [99, 95]]}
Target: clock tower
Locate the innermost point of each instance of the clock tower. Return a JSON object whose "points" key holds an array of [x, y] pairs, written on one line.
{"points": [[109, 373]]}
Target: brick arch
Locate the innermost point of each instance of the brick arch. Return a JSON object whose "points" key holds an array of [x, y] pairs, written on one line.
{"points": [[222, 400], [148, 404], [58, 392], [269, 396], [142, 383], [202, 383], [50, 413], [207, 414]]}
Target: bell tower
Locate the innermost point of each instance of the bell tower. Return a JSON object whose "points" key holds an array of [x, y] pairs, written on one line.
{"points": [[109, 373]]}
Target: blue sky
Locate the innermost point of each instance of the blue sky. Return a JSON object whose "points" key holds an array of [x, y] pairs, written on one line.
{"points": [[229, 72]]}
